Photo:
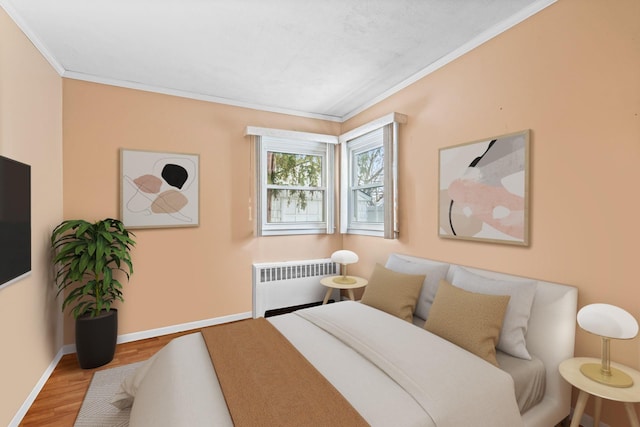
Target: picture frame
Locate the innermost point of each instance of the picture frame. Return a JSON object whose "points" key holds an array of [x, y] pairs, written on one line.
{"points": [[159, 189], [484, 190]]}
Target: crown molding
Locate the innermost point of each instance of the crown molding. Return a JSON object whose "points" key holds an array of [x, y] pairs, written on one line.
{"points": [[467, 47], [24, 27], [192, 95]]}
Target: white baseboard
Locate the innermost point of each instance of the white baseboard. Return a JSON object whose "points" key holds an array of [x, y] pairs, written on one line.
{"points": [[15, 422], [152, 333], [136, 336]]}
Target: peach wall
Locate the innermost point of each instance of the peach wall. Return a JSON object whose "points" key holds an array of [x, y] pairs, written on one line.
{"points": [[571, 74], [181, 274], [30, 132]]}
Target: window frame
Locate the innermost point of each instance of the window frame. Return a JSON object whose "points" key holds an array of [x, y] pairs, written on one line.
{"points": [[355, 142], [369, 141], [274, 143]]}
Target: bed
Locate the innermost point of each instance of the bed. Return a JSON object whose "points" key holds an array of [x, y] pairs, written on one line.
{"points": [[392, 370]]}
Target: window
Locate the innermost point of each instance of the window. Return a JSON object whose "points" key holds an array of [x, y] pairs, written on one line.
{"points": [[366, 181], [295, 186], [368, 176], [295, 180]]}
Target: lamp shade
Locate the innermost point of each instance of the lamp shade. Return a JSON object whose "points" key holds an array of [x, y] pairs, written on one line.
{"points": [[607, 321], [344, 257]]}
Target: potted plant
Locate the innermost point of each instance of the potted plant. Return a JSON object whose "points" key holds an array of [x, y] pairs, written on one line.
{"points": [[87, 256]]}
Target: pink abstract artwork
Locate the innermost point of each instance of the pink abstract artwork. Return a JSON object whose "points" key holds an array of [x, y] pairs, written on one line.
{"points": [[484, 190]]}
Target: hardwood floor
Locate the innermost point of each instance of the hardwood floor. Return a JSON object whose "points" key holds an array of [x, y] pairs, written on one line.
{"points": [[60, 399]]}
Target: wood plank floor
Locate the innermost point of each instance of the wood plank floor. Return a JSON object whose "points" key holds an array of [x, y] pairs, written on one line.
{"points": [[59, 401]]}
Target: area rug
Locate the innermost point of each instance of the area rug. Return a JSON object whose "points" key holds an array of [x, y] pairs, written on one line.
{"points": [[96, 411]]}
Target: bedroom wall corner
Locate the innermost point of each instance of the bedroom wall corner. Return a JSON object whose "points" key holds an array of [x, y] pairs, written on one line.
{"points": [[31, 132]]}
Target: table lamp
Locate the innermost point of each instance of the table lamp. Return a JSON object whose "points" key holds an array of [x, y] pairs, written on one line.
{"points": [[344, 257], [609, 322]]}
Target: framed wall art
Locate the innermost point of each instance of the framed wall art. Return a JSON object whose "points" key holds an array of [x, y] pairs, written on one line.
{"points": [[484, 190], [159, 189]]}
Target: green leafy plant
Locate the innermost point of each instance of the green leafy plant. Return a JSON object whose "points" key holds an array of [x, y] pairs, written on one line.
{"points": [[87, 255]]}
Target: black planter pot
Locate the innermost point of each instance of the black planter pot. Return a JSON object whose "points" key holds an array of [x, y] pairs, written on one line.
{"points": [[96, 339]]}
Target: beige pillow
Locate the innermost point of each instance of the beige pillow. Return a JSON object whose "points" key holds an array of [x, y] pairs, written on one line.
{"points": [[393, 292], [516, 319], [469, 320]]}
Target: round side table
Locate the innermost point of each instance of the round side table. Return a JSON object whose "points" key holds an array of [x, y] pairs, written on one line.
{"points": [[331, 285], [570, 371]]}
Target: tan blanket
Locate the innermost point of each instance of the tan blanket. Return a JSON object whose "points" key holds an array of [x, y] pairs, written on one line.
{"points": [[267, 382]]}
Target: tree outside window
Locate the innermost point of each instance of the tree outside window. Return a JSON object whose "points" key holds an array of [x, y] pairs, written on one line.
{"points": [[368, 186], [294, 188]]}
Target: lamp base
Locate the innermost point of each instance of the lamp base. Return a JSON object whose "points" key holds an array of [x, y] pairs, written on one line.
{"points": [[616, 379], [344, 280]]}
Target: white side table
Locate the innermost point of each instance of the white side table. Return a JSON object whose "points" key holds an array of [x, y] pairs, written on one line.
{"points": [[570, 371], [331, 285]]}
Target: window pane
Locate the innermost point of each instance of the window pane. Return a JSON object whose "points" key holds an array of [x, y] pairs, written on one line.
{"points": [[295, 206], [294, 169], [369, 167], [369, 204]]}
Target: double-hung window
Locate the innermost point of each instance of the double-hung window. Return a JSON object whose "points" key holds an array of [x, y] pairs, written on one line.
{"points": [[295, 180], [368, 189], [295, 191]]}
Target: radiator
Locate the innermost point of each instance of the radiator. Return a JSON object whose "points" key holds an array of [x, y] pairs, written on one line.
{"points": [[291, 283]]}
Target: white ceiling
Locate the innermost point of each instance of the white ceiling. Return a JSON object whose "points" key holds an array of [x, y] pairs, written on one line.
{"points": [[318, 58]]}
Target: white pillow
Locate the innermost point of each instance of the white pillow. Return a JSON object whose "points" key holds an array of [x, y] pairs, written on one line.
{"points": [[516, 319], [434, 272]]}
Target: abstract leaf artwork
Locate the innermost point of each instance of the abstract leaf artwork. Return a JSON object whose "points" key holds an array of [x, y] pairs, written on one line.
{"points": [[159, 189], [484, 190]]}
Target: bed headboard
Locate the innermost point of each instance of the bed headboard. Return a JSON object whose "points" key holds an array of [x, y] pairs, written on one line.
{"points": [[550, 337]]}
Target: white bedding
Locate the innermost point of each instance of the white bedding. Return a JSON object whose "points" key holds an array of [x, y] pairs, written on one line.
{"points": [[391, 371], [439, 376], [529, 376], [180, 388]]}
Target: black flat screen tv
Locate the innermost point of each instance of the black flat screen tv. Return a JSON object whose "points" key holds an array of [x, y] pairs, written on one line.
{"points": [[15, 220]]}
